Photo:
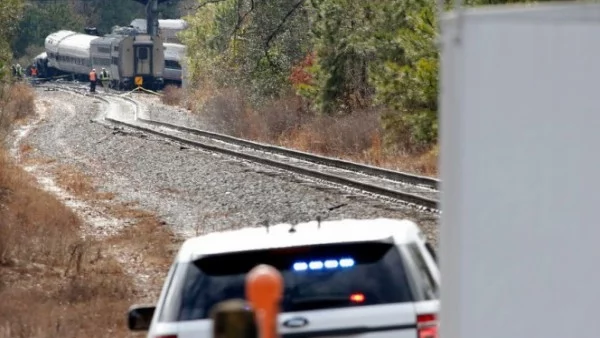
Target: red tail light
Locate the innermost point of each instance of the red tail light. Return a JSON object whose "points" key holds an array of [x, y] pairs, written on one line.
{"points": [[357, 298], [427, 326]]}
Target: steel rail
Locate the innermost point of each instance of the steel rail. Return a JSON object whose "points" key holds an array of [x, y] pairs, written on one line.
{"points": [[409, 198], [398, 195], [328, 161]]}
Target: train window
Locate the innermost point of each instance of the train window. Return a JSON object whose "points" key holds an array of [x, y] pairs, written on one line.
{"points": [[142, 53], [172, 64]]}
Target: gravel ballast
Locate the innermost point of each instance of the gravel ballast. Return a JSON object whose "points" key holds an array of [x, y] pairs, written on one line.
{"points": [[191, 190]]}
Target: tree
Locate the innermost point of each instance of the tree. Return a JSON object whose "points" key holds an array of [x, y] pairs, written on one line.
{"points": [[348, 37], [409, 87], [10, 14], [250, 44], [41, 19]]}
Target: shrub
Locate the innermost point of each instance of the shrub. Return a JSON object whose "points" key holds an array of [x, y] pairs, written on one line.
{"points": [[172, 95]]}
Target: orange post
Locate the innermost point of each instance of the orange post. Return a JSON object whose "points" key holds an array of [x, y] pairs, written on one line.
{"points": [[264, 288]]}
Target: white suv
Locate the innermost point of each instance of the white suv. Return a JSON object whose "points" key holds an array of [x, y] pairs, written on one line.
{"points": [[373, 278]]}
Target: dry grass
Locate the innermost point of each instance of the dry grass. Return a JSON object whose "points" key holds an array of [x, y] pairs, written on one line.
{"points": [[53, 282], [78, 184], [20, 101], [172, 95], [58, 284], [17, 101], [150, 239], [25, 148], [286, 122]]}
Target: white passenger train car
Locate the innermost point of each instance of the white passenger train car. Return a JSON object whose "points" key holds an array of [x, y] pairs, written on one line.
{"points": [[126, 54], [174, 54], [69, 51], [168, 28]]}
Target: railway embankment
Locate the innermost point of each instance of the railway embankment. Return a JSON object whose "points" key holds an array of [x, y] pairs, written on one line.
{"points": [[119, 201], [71, 259]]}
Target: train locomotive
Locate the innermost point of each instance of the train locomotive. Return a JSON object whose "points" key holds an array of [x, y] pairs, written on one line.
{"points": [[126, 54]]}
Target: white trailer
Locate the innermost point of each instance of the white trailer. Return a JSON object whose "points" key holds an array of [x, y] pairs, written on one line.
{"points": [[520, 121]]}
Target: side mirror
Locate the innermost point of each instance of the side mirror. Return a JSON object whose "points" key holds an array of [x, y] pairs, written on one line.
{"points": [[140, 317]]}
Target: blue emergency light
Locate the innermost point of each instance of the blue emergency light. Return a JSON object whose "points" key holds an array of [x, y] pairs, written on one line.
{"points": [[327, 264]]}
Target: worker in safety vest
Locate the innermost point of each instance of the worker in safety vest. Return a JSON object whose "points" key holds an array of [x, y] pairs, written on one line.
{"points": [[34, 74], [93, 80], [104, 79], [19, 71]]}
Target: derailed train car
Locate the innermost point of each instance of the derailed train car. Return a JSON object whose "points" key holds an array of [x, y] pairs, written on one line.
{"points": [[68, 53], [41, 63], [130, 55], [174, 54], [126, 55]]}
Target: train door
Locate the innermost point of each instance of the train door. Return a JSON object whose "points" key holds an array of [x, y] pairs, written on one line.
{"points": [[143, 59]]}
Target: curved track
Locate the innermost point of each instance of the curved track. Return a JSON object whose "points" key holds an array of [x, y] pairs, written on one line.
{"points": [[415, 190]]}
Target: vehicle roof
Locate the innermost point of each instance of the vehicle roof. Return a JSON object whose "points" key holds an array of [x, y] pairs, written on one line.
{"points": [[59, 35], [42, 55], [77, 43], [53, 40], [107, 40], [170, 24], [174, 51], [174, 46], [278, 236]]}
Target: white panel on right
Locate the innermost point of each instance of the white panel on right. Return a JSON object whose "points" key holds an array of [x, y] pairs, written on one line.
{"points": [[520, 133]]}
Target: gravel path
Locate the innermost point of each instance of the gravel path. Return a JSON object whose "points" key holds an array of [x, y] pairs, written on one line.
{"points": [[156, 110], [189, 189]]}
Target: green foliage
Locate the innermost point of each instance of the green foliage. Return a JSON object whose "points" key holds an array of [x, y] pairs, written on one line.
{"points": [[341, 56], [39, 20], [250, 44], [104, 14], [409, 87], [43, 17], [349, 36], [10, 14]]}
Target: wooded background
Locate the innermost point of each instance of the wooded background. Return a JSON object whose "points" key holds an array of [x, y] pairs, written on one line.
{"points": [[337, 57]]}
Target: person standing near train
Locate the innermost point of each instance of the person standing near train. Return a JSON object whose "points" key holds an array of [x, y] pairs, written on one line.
{"points": [[104, 79], [93, 80]]}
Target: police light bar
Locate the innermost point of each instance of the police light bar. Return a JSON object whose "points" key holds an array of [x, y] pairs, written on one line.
{"points": [[327, 264]]}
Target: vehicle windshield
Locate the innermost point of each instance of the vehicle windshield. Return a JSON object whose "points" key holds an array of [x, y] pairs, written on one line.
{"points": [[315, 277]]}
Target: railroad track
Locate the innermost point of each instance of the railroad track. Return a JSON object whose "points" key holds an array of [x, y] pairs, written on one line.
{"points": [[415, 190]]}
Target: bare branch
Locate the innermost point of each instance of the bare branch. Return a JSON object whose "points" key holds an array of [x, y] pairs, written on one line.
{"points": [[283, 21], [278, 30], [204, 4], [242, 18]]}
